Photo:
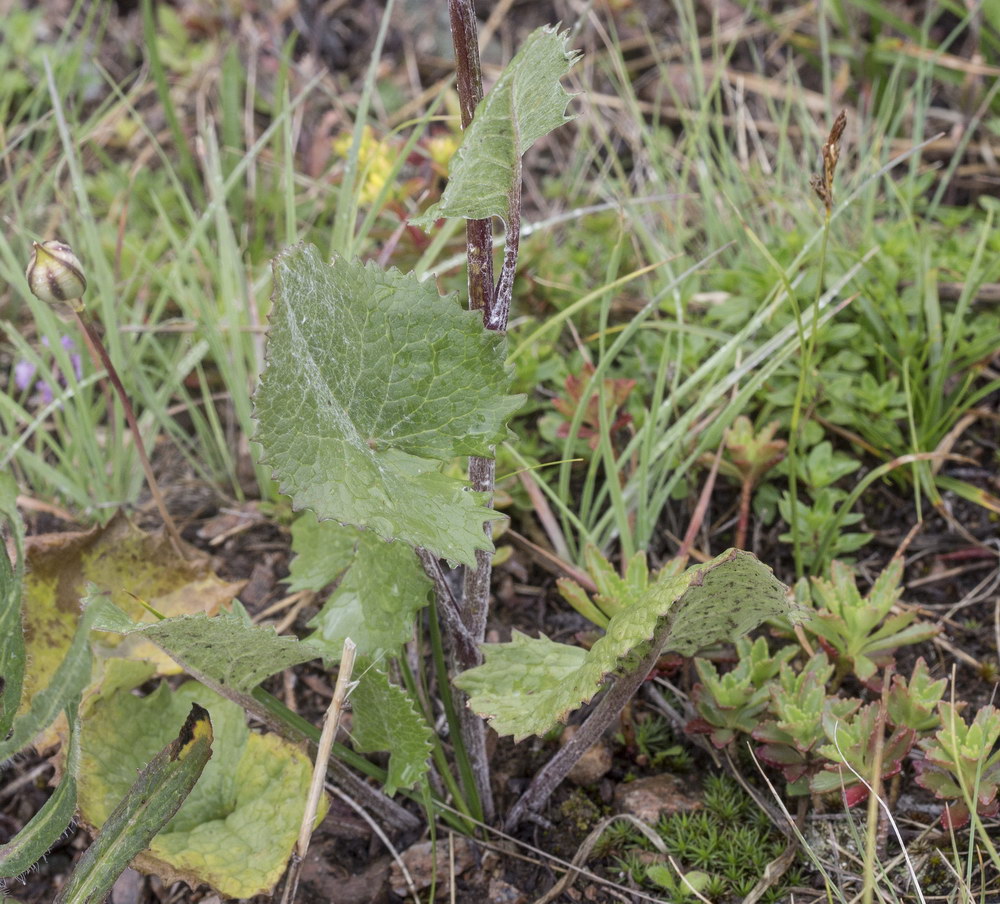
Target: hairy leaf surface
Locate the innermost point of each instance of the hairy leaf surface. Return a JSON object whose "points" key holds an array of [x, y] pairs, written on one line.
{"points": [[12, 655], [149, 803], [526, 103], [373, 382], [29, 845], [385, 718], [529, 685], [225, 649]]}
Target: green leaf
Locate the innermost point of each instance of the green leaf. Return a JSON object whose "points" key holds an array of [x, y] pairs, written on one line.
{"points": [[529, 685], [151, 801], [385, 718], [69, 679], [225, 651], [373, 382], [381, 586], [526, 103], [237, 827], [29, 845], [12, 655]]}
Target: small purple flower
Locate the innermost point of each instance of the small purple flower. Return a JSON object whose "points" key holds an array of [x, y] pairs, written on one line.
{"points": [[74, 359], [24, 371]]}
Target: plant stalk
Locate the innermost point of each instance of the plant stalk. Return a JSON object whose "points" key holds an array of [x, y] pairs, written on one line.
{"points": [[612, 703], [469, 81], [479, 241], [154, 488]]}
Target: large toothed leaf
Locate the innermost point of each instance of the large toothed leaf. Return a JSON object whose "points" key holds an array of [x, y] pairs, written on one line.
{"points": [[385, 718], [526, 103], [380, 588], [238, 825], [373, 381], [529, 685], [225, 651], [12, 656]]}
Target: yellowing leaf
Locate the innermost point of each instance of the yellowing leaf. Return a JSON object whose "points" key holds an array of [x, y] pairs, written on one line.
{"points": [[122, 560], [238, 825]]}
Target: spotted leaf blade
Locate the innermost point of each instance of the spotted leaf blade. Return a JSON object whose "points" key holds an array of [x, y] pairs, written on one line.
{"points": [[529, 686]]}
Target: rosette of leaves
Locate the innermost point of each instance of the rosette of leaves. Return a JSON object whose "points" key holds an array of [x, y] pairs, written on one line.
{"points": [[614, 592], [734, 701], [615, 395], [799, 702], [961, 763], [853, 753], [748, 457], [862, 632], [913, 703]]}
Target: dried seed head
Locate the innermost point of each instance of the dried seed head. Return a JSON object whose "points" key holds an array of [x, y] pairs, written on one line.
{"points": [[823, 185], [55, 273]]}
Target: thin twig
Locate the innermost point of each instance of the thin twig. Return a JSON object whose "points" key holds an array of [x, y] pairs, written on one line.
{"points": [[330, 725], [133, 424], [583, 853], [377, 829]]}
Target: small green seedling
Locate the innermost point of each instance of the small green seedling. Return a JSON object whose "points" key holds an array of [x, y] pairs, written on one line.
{"points": [[614, 593], [854, 755], [734, 702], [860, 632], [961, 763], [748, 457], [799, 703], [913, 703], [814, 520], [682, 885]]}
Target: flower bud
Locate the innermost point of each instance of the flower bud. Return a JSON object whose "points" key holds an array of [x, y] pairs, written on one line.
{"points": [[55, 273]]}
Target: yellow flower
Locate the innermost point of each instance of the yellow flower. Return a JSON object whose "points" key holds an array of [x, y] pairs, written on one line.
{"points": [[441, 148], [375, 161]]}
